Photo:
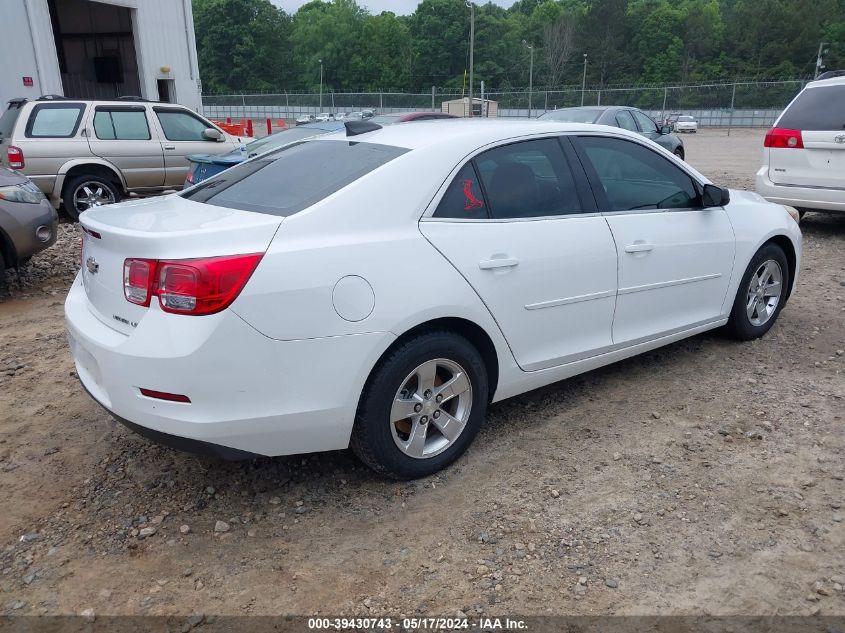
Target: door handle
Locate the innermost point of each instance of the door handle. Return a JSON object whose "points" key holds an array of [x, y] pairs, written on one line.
{"points": [[169, 147], [639, 247], [498, 262]]}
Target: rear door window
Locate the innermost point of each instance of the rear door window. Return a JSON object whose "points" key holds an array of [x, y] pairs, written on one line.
{"points": [[54, 120], [528, 179], [819, 109], [122, 124], [293, 178]]}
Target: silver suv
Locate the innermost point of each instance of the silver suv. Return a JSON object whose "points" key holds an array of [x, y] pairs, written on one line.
{"points": [[83, 153]]}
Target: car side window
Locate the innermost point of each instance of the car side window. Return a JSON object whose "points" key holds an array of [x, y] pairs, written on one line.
{"points": [[625, 121], [181, 126], [634, 177], [645, 123], [463, 198], [54, 120], [528, 179], [121, 124]]}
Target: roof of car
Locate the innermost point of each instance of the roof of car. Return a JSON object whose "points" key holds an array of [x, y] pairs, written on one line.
{"points": [[461, 132]]}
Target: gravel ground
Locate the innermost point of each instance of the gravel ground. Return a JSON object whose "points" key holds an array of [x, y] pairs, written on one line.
{"points": [[702, 478]]}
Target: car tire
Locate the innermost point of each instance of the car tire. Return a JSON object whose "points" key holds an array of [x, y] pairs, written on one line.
{"points": [[100, 187], [746, 321], [679, 152], [391, 445]]}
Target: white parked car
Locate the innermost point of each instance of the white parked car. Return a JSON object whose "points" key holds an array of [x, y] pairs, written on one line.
{"points": [[306, 118], [804, 153], [323, 117], [686, 124], [377, 289]]}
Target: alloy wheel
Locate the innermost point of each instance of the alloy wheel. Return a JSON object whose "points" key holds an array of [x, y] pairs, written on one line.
{"points": [[91, 194], [431, 408], [764, 292]]}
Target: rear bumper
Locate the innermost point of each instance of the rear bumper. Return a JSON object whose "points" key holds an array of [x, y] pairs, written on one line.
{"points": [[800, 197], [248, 392]]}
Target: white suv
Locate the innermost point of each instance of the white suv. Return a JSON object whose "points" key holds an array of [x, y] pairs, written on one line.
{"points": [[804, 155]]}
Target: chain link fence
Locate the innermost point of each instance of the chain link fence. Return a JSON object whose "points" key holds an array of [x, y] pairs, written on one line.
{"points": [[736, 104]]}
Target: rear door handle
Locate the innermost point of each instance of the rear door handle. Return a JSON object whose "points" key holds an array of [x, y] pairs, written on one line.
{"points": [[639, 247], [169, 147], [498, 262]]}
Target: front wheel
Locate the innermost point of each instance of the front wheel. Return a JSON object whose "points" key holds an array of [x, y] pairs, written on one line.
{"points": [[679, 152], [422, 406], [761, 294]]}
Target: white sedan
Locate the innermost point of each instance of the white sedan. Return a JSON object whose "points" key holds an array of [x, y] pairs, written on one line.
{"points": [[686, 124], [378, 288]]}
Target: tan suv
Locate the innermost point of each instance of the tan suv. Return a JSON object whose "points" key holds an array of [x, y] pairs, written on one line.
{"points": [[82, 153]]}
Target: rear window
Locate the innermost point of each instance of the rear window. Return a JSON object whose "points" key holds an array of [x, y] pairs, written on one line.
{"points": [[816, 109], [7, 120], [293, 178], [573, 116], [54, 120]]}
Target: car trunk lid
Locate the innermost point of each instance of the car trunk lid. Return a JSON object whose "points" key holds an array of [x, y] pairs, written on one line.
{"points": [[169, 228]]}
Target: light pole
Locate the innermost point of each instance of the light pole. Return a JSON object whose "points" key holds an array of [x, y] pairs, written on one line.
{"points": [[471, 48], [584, 79], [530, 47], [321, 83]]}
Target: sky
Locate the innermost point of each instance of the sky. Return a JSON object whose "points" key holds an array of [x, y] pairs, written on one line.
{"points": [[400, 7]]}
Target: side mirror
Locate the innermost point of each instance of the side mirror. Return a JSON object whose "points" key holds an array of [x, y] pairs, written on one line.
{"points": [[212, 134], [665, 129], [714, 196]]}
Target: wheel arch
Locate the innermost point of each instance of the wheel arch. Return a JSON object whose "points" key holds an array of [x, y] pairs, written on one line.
{"points": [[91, 166], [791, 257], [470, 330]]}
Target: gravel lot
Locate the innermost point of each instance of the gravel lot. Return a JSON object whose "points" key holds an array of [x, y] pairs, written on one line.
{"points": [[702, 478]]}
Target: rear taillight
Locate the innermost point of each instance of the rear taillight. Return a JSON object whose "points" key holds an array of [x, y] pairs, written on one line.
{"points": [[15, 156], [188, 286], [190, 177], [779, 137], [138, 276]]}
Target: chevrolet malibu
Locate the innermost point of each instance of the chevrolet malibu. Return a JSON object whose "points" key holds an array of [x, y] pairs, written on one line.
{"points": [[377, 288]]}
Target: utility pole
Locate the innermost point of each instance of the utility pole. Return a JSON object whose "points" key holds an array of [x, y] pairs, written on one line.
{"points": [[471, 6], [530, 47], [819, 60], [584, 79], [321, 84]]}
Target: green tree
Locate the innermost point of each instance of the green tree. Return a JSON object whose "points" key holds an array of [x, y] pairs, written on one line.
{"points": [[242, 45]]}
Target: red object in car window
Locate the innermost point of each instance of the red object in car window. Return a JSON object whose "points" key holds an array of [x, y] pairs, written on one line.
{"points": [[472, 201]]}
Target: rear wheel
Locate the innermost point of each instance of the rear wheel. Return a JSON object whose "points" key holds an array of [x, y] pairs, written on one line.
{"points": [[422, 406], [761, 294], [82, 192], [679, 152]]}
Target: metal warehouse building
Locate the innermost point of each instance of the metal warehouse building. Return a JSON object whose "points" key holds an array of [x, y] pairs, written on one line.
{"points": [[99, 49]]}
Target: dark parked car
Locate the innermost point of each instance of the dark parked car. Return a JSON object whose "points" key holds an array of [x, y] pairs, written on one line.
{"points": [[203, 166], [28, 221], [404, 117], [624, 117]]}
